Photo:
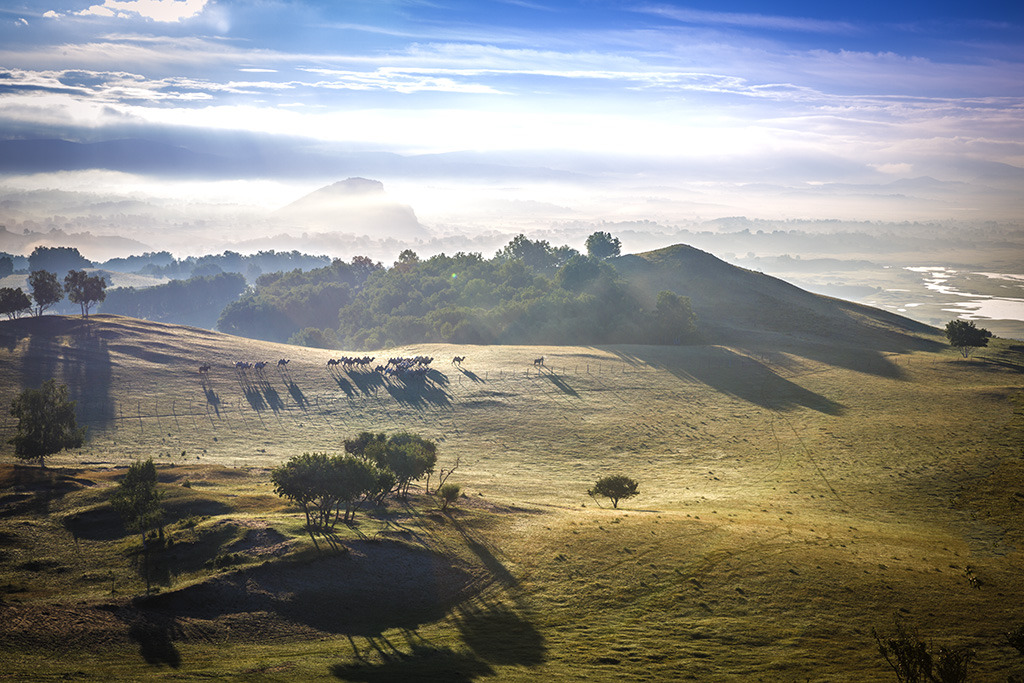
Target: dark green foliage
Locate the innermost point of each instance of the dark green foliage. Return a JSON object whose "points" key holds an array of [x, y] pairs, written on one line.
{"points": [[602, 245], [57, 259], [197, 301], [965, 336], [615, 487], [46, 289], [314, 338], [407, 457], [910, 658], [448, 494], [14, 303], [674, 320], [284, 304], [137, 499], [84, 289], [6, 265], [326, 487], [46, 422]]}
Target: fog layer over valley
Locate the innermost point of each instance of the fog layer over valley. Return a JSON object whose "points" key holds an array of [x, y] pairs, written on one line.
{"points": [[887, 264]]}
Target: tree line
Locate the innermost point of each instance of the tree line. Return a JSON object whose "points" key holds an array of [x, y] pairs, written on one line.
{"points": [[529, 293], [46, 291]]}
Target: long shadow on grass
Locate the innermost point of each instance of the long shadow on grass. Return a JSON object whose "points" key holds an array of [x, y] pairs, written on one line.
{"points": [[297, 395], [367, 382], [735, 375], [559, 383], [473, 376], [374, 587], [418, 392], [424, 664], [155, 639], [70, 350]]}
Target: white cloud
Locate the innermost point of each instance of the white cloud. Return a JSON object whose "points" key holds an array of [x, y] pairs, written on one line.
{"points": [[157, 10]]}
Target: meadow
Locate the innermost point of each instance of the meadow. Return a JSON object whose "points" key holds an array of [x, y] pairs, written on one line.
{"points": [[795, 495]]}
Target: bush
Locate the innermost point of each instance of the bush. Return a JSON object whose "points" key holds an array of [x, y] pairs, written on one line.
{"points": [[448, 493]]}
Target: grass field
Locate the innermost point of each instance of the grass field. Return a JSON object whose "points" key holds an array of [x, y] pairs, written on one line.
{"points": [[795, 495]]}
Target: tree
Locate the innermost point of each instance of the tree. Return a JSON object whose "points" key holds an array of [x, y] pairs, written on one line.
{"points": [[84, 289], [324, 485], [46, 422], [14, 302], [57, 259], [616, 487], [46, 289], [674, 320], [6, 265], [140, 504], [406, 456], [965, 336], [602, 245], [137, 499]]}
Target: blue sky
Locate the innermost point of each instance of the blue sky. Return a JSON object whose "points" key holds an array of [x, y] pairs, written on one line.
{"points": [[788, 95]]}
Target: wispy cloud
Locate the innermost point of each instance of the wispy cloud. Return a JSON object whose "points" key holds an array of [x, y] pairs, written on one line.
{"points": [[750, 21]]}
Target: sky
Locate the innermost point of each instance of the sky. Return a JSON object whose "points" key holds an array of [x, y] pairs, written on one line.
{"points": [[876, 110]]}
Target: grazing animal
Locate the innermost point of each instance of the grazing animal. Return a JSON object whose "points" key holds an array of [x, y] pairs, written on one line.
{"points": [[458, 360], [283, 362], [537, 362], [331, 361], [204, 369]]}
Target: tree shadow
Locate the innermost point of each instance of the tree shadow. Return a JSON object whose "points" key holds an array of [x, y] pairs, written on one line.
{"points": [[70, 350], [499, 635], [155, 638], [424, 664], [732, 374], [559, 383]]}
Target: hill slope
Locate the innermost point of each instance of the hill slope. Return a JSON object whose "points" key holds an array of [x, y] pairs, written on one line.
{"points": [[790, 502]]}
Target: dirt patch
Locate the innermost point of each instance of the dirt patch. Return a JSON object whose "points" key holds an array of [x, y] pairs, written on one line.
{"points": [[259, 540]]}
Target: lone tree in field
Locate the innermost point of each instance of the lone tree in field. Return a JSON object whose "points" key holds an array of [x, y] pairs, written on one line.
{"points": [[46, 290], [616, 487], [46, 422], [965, 337], [137, 499], [602, 245], [84, 289], [139, 503], [14, 302]]}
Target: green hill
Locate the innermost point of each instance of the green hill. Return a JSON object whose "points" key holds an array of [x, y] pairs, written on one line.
{"points": [[800, 485]]}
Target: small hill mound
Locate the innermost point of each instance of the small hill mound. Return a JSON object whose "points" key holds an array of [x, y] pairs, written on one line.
{"points": [[357, 206], [739, 306]]}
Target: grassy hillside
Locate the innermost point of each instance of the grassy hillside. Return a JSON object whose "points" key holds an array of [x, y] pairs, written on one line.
{"points": [[796, 493]]}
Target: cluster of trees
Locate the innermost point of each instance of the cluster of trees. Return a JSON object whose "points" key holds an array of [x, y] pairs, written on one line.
{"points": [[196, 301], [163, 264], [529, 293], [81, 288], [331, 488], [285, 303]]}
